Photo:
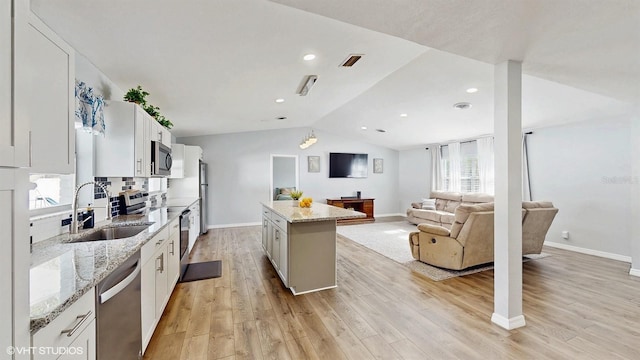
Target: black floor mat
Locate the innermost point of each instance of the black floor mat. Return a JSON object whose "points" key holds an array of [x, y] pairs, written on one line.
{"points": [[202, 270]]}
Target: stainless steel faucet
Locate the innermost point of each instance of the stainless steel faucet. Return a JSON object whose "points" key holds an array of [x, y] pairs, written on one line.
{"points": [[74, 215]]}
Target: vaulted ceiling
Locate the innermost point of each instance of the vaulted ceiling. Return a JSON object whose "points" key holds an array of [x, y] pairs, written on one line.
{"points": [[218, 66]]}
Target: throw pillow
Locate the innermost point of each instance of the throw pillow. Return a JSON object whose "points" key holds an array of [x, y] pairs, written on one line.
{"points": [[286, 191], [428, 204]]}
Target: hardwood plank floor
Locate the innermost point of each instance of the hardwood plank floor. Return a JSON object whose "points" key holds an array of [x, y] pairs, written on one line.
{"points": [[576, 307]]}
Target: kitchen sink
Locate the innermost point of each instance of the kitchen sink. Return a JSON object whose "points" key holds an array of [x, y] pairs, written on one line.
{"points": [[111, 233]]}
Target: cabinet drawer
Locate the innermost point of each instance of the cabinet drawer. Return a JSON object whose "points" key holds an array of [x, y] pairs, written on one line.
{"points": [[64, 329], [279, 221], [174, 226], [266, 212], [154, 244]]}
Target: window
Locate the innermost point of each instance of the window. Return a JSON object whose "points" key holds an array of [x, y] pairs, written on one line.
{"points": [[50, 190], [468, 171]]}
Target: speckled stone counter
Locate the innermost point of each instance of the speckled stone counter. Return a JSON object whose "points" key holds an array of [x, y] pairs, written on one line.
{"points": [[290, 210], [61, 271]]}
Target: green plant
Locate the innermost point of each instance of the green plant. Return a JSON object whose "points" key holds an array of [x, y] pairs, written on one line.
{"points": [[164, 121], [136, 95], [152, 110], [295, 194]]}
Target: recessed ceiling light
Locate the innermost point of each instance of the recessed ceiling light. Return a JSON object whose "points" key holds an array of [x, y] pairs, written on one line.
{"points": [[403, 115], [363, 128], [280, 100], [462, 105], [381, 130], [309, 57], [472, 90]]}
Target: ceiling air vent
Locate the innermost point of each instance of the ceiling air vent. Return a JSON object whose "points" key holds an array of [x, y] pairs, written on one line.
{"points": [[462, 105], [351, 60], [306, 84]]}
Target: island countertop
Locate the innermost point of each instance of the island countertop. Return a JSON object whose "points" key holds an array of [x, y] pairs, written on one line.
{"points": [[290, 210]]}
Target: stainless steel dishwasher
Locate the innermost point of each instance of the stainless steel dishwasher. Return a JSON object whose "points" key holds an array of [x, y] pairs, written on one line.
{"points": [[118, 324]]}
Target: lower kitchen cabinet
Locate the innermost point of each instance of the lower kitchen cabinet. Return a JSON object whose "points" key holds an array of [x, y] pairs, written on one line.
{"points": [[71, 335], [275, 242], [160, 271], [194, 224]]}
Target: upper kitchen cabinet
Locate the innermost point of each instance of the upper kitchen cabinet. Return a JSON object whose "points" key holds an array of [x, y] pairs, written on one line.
{"points": [[125, 149], [14, 95], [158, 132], [51, 91]]}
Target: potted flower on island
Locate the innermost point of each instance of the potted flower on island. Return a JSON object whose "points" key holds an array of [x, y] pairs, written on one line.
{"points": [[295, 194]]}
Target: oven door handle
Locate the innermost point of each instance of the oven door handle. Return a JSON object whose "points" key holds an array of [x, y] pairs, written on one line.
{"points": [[116, 289]]}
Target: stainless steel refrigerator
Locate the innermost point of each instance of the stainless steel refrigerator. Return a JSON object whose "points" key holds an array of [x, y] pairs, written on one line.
{"points": [[204, 194]]}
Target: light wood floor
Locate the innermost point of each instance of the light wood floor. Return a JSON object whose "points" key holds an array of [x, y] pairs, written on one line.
{"points": [[576, 307]]}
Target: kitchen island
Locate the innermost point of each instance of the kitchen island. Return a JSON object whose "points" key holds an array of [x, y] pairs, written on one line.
{"points": [[301, 243]]}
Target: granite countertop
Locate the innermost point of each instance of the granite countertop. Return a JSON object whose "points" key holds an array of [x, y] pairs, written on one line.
{"points": [[61, 271], [290, 210]]}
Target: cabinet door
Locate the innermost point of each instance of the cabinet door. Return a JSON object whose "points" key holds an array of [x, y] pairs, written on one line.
{"points": [[275, 247], [283, 265], [51, 88], [14, 71], [83, 347], [142, 146], [173, 261], [148, 300], [265, 232], [161, 282]]}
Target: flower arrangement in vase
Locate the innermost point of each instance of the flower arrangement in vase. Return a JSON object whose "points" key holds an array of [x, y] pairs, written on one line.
{"points": [[295, 194]]}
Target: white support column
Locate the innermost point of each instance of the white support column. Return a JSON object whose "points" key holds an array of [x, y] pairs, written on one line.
{"points": [[635, 193], [508, 195]]}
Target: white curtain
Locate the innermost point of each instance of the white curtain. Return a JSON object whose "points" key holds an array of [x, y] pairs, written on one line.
{"points": [[526, 186], [486, 165], [436, 168], [455, 183]]}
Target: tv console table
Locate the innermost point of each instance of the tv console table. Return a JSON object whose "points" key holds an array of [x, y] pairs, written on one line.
{"points": [[361, 205]]}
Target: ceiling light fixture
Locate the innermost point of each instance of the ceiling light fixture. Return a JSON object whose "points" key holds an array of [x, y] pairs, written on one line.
{"points": [[308, 57], [280, 100], [308, 140], [462, 105], [404, 115], [472, 90], [306, 84], [363, 128]]}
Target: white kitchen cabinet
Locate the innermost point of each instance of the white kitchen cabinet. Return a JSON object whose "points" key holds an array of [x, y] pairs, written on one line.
{"points": [[173, 254], [73, 332], [125, 150], [14, 261], [51, 87], [192, 157], [14, 93], [177, 155], [158, 132], [194, 224], [155, 288], [275, 242]]}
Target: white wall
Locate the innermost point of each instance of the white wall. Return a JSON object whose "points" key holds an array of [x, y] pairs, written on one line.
{"points": [[239, 171], [585, 169], [414, 176]]}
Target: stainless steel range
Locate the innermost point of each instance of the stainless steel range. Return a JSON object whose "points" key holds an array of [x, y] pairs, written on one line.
{"points": [[133, 202]]}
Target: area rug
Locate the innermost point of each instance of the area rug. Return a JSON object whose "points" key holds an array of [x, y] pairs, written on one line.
{"points": [[391, 239], [202, 271]]}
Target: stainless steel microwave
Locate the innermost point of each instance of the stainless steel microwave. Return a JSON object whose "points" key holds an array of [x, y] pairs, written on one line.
{"points": [[160, 159]]}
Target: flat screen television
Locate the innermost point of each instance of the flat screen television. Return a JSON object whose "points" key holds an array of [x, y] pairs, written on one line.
{"points": [[342, 165]]}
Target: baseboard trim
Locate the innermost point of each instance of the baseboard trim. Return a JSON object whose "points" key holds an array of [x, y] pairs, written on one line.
{"points": [[506, 323], [634, 272], [602, 254], [389, 215], [234, 225]]}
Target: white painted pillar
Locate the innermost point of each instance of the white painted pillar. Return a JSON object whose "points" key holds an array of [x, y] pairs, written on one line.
{"points": [[635, 193], [508, 197]]}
